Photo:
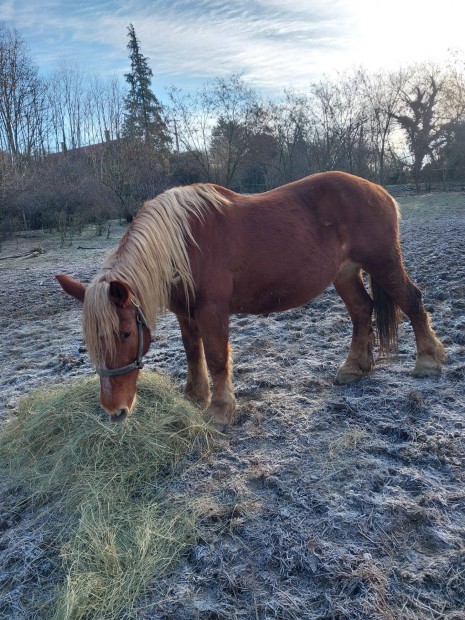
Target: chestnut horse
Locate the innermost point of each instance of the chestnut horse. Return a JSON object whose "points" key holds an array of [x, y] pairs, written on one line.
{"points": [[205, 252]]}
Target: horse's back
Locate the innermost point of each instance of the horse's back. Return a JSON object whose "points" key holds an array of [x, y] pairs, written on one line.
{"points": [[327, 198], [279, 249], [321, 213]]}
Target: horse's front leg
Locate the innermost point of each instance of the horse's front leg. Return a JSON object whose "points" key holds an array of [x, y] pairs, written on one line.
{"points": [[213, 323], [197, 384]]}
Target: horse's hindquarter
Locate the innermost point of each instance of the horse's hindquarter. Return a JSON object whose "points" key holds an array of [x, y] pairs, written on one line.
{"points": [[362, 213], [266, 253]]}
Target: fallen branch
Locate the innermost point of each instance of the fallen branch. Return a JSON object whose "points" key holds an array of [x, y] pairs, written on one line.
{"points": [[12, 256], [31, 254]]}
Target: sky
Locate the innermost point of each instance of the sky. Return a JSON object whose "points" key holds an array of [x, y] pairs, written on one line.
{"points": [[273, 44]]}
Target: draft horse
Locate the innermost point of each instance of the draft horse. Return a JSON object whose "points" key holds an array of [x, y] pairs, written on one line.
{"points": [[205, 252]]}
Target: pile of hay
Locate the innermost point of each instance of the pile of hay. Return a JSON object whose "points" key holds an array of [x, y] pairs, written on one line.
{"points": [[122, 530]]}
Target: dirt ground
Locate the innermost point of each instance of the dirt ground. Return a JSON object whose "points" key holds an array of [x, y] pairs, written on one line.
{"points": [[323, 501]]}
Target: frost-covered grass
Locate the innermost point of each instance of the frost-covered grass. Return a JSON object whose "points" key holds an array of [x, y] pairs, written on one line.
{"points": [[322, 501]]}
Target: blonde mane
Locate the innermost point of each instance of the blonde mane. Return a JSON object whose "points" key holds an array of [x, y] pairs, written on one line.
{"points": [[150, 259]]}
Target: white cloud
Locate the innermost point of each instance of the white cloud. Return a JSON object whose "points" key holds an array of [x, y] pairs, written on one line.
{"points": [[274, 43]]}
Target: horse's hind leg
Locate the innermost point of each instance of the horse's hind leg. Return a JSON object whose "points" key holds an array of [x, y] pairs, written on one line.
{"points": [[359, 362], [393, 278], [197, 384]]}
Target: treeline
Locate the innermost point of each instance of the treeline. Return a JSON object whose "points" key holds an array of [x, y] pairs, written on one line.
{"points": [[75, 149]]}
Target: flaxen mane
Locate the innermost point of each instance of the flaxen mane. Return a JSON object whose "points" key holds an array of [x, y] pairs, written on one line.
{"points": [[151, 257]]}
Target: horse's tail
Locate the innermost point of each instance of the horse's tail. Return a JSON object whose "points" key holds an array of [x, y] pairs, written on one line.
{"points": [[387, 318]]}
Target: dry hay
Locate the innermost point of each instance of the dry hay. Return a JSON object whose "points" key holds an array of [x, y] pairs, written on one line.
{"points": [[103, 485]]}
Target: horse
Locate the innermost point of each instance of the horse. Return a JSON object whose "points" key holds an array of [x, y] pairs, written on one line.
{"points": [[205, 252]]}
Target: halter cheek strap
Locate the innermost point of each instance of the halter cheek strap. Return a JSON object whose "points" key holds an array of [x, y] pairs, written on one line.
{"points": [[138, 363]]}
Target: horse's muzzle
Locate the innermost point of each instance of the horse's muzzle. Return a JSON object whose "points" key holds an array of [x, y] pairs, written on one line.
{"points": [[120, 415]]}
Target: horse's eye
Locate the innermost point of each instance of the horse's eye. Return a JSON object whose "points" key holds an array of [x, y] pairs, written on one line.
{"points": [[125, 335]]}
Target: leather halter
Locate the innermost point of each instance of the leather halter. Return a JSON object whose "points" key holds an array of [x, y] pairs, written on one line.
{"points": [[137, 364]]}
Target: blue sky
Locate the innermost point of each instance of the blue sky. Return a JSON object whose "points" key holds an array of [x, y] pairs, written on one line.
{"points": [[273, 43]]}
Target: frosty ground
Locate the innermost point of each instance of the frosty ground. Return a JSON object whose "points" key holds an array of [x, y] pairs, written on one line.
{"points": [[323, 501]]}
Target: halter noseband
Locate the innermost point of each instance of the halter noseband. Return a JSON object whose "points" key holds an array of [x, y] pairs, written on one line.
{"points": [[137, 364]]}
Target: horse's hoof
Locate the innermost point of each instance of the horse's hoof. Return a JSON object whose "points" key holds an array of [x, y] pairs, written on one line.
{"points": [[348, 375], [427, 371], [429, 366], [344, 379], [218, 422], [221, 427], [221, 415]]}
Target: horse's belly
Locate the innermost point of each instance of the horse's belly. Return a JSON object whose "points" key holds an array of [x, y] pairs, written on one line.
{"points": [[279, 294], [277, 263]]}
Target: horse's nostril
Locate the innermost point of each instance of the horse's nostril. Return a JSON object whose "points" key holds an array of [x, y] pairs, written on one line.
{"points": [[120, 415]]}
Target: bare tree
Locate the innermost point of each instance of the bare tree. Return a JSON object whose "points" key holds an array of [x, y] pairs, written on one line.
{"points": [[289, 123], [340, 123], [238, 114], [383, 93], [192, 121], [454, 86], [420, 118], [217, 125], [450, 156], [67, 106], [21, 98], [105, 108]]}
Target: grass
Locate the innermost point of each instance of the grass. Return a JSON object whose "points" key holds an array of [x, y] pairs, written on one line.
{"points": [[109, 480], [432, 205]]}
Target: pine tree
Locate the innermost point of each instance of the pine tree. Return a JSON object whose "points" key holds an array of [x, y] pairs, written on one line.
{"points": [[143, 112]]}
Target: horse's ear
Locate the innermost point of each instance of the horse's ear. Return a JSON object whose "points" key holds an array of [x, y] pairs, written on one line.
{"points": [[71, 286], [119, 293]]}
